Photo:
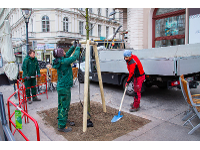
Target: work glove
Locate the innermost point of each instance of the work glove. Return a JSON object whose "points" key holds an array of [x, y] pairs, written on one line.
{"points": [[126, 84], [79, 45], [27, 78], [75, 43]]}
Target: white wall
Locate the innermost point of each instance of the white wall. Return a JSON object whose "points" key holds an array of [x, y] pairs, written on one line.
{"points": [[135, 28]]}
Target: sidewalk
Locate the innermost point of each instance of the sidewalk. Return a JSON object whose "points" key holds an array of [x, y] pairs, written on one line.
{"points": [[165, 116]]}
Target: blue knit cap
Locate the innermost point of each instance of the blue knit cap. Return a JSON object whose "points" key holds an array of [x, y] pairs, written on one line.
{"points": [[127, 53]]}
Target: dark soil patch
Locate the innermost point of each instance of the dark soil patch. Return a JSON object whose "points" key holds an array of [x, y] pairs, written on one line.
{"points": [[103, 129]]}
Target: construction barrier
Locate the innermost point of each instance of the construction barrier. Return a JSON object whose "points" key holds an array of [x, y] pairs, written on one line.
{"points": [[22, 97], [75, 74], [53, 75], [6, 135], [42, 80], [21, 92], [24, 115], [52, 79]]}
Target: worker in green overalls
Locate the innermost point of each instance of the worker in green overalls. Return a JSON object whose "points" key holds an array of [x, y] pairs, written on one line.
{"points": [[62, 63], [30, 67]]}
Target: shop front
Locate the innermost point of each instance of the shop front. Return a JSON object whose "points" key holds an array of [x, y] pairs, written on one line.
{"points": [[44, 52]]}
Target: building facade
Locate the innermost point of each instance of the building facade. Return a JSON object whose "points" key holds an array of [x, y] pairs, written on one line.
{"points": [[49, 28], [160, 27]]}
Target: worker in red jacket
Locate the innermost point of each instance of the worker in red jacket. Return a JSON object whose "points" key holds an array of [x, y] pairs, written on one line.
{"points": [[136, 72]]}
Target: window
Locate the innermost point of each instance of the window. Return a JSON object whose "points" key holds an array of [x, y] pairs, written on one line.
{"points": [[106, 12], [91, 29], [107, 32], [65, 24], [90, 10], [168, 27], [99, 11], [99, 30], [45, 24], [113, 30], [114, 14], [81, 27]]}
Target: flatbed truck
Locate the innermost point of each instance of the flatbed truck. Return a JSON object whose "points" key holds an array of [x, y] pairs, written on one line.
{"points": [[162, 66]]}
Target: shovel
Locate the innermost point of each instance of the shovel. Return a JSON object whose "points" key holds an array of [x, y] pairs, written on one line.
{"points": [[117, 117]]}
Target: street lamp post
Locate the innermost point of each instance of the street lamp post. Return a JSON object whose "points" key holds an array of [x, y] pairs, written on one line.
{"points": [[26, 12]]}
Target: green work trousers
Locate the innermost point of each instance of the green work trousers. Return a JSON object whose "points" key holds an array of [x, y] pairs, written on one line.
{"points": [[29, 83], [64, 99]]}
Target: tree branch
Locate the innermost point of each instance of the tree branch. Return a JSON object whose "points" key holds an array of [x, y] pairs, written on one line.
{"points": [[81, 13]]}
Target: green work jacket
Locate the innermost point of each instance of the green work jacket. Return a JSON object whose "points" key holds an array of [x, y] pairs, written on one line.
{"points": [[30, 66], [64, 69]]}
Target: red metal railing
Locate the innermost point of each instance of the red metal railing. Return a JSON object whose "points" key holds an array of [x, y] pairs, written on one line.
{"points": [[24, 114], [21, 91], [45, 83], [22, 97]]}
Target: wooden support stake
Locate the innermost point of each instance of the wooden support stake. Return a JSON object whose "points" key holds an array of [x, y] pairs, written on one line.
{"points": [[87, 55], [99, 77]]}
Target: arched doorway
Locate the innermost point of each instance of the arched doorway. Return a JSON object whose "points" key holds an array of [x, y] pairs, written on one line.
{"points": [[168, 27]]}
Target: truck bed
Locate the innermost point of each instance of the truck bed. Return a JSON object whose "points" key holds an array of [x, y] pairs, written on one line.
{"points": [[165, 61]]}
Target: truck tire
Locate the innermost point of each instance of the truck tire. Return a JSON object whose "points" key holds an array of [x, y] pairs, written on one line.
{"points": [[80, 77], [129, 90]]}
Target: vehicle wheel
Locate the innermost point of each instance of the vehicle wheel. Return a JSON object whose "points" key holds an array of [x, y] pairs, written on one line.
{"points": [[80, 77], [130, 87]]}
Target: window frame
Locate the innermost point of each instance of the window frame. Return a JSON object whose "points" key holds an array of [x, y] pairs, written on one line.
{"points": [[99, 30], [47, 26], [162, 16], [81, 27], [65, 24]]}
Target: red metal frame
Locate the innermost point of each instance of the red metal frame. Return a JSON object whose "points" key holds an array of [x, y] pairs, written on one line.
{"points": [[37, 86], [156, 17], [21, 91], [24, 114], [22, 97]]}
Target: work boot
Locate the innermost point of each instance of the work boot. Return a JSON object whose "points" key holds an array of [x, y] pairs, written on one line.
{"points": [[70, 122], [66, 129], [133, 109], [29, 101], [133, 104], [89, 123], [36, 99]]}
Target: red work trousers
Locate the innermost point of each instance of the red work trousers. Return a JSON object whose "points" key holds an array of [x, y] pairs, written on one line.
{"points": [[137, 90]]}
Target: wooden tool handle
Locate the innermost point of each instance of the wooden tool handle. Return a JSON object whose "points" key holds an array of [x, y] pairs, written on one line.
{"points": [[122, 99]]}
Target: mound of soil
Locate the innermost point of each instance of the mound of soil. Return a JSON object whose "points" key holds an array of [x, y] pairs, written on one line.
{"points": [[103, 129]]}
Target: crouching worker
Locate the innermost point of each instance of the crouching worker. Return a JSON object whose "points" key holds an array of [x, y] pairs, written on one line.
{"points": [[136, 72], [30, 67], [62, 63]]}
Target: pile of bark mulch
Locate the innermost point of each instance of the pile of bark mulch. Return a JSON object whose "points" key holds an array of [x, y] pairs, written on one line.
{"points": [[103, 129]]}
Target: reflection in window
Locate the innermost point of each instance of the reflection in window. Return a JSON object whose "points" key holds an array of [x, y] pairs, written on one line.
{"points": [[169, 27], [81, 27], [172, 42]]}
